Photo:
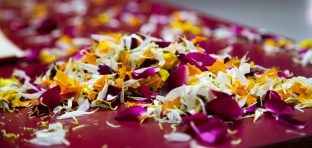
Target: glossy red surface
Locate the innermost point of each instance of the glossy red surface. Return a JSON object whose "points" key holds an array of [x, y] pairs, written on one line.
{"points": [[265, 131]]}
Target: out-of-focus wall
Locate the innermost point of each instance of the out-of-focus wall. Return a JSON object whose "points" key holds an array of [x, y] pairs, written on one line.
{"points": [[291, 18]]}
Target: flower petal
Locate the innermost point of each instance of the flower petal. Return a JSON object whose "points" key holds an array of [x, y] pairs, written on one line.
{"points": [[212, 131], [51, 98], [198, 118], [200, 60], [288, 121], [251, 108], [104, 70], [46, 26], [144, 72], [163, 44], [145, 91], [131, 113], [177, 78], [270, 94], [278, 107], [225, 107], [274, 104]]}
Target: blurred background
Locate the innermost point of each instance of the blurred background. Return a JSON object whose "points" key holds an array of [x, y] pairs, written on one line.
{"points": [[289, 18]]}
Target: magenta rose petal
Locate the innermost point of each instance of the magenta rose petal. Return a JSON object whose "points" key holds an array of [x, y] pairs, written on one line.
{"points": [[251, 109], [145, 91], [177, 78], [200, 60], [270, 94], [131, 113], [291, 122], [144, 72], [276, 105], [220, 94], [51, 98], [225, 107], [198, 118], [212, 131], [282, 74]]}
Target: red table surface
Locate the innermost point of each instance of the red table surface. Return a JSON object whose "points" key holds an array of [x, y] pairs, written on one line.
{"points": [[265, 131]]}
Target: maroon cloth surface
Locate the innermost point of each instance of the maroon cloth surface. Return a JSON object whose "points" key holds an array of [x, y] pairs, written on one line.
{"points": [[264, 131]]}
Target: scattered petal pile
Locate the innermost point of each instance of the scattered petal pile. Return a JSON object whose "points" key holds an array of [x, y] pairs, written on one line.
{"points": [[172, 82]]}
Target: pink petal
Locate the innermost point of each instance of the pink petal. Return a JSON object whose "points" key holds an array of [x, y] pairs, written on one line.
{"points": [[200, 60], [212, 131], [274, 104], [144, 74], [279, 107], [225, 107], [131, 113]]}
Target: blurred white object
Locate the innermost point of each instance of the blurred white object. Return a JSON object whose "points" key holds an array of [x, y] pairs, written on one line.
{"points": [[8, 49]]}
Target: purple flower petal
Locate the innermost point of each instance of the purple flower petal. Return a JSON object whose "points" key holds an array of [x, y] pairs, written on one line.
{"points": [[303, 51], [77, 56], [71, 31], [46, 26], [144, 72], [145, 91], [200, 60], [212, 131], [131, 113], [279, 107], [270, 94], [237, 30], [104, 70], [51, 98], [281, 74], [251, 109], [288, 121], [198, 118], [113, 90], [31, 55], [163, 44], [177, 78], [220, 94], [274, 103], [225, 107], [17, 26], [68, 95]]}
